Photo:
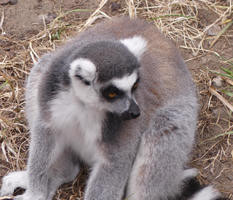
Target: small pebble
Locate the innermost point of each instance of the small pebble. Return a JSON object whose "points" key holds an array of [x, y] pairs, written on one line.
{"points": [[217, 81], [115, 6], [13, 2], [48, 17], [214, 30], [4, 2]]}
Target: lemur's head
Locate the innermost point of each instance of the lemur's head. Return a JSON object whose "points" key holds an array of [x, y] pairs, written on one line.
{"points": [[105, 74]]}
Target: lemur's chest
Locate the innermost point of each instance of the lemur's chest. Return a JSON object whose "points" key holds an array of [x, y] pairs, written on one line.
{"points": [[79, 128]]}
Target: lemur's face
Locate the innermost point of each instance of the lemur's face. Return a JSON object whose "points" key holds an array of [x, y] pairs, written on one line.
{"points": [[117, 96], [105, 75]]}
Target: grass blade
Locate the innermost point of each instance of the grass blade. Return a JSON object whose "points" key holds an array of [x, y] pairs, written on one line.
{"points": [[221, 33]]}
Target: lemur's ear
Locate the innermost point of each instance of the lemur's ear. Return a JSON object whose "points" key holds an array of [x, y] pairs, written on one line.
{"points": [[83, 69], [136, 45]]}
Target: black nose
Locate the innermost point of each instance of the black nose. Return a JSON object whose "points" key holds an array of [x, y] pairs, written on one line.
{"points": [[133, 111], [135, 115]]}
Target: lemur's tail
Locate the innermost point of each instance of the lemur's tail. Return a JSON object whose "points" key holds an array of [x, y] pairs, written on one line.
{"points": [[192, 190]]}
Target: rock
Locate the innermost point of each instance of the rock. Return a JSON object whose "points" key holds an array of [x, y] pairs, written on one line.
{"points": [[214, 30], [217, 81], [4, 2], [13, 2], [48, 17], [115, 6]]}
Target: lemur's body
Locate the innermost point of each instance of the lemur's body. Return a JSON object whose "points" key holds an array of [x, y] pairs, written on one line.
{"points": [[77, 103]]}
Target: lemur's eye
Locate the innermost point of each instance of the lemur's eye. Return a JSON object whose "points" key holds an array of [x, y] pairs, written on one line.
{"points": [[135, 85], [112, 95]]}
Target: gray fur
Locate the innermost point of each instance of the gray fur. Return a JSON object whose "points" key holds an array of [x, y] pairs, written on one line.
{"points": [[106, 55], [144, 156], [164, 146]]}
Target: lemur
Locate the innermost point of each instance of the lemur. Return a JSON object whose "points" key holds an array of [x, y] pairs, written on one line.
{"points": [[119, 98]]}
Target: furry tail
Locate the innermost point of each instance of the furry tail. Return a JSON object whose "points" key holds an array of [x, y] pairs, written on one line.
{"points": [[192, 190]]}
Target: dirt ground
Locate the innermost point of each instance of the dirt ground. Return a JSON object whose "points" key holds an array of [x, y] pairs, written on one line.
{"points": [[30, 28]]}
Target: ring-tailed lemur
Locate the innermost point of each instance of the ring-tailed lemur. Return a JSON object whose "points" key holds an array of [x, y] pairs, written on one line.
{"points": [[119, 98]]}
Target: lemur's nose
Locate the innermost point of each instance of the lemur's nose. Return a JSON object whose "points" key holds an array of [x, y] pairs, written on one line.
{"points": [[134, 110]]}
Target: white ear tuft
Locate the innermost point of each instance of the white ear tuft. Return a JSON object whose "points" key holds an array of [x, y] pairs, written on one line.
{"points": [[136, 45], [83, 67]]}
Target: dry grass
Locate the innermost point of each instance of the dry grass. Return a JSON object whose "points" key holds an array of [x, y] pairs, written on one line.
{"points": [[180, 20]]}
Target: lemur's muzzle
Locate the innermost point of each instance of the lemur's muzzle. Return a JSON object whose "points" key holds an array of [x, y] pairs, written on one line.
{"points": [[133, 111]]}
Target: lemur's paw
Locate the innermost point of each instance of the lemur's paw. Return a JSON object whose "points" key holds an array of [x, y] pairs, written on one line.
{"points": [[30, 196], [12, 181]]}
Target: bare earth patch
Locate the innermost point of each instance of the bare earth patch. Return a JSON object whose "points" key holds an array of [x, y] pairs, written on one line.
{"points": [[202, 30]]}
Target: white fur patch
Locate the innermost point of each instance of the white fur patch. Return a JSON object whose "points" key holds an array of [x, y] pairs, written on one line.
{"points": [[208, 193], [126, 83], [79, 125], [13, 180], [84, 93], [136, 45], [189, 173], [131, 190], [83, 67], [87, 70]]}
